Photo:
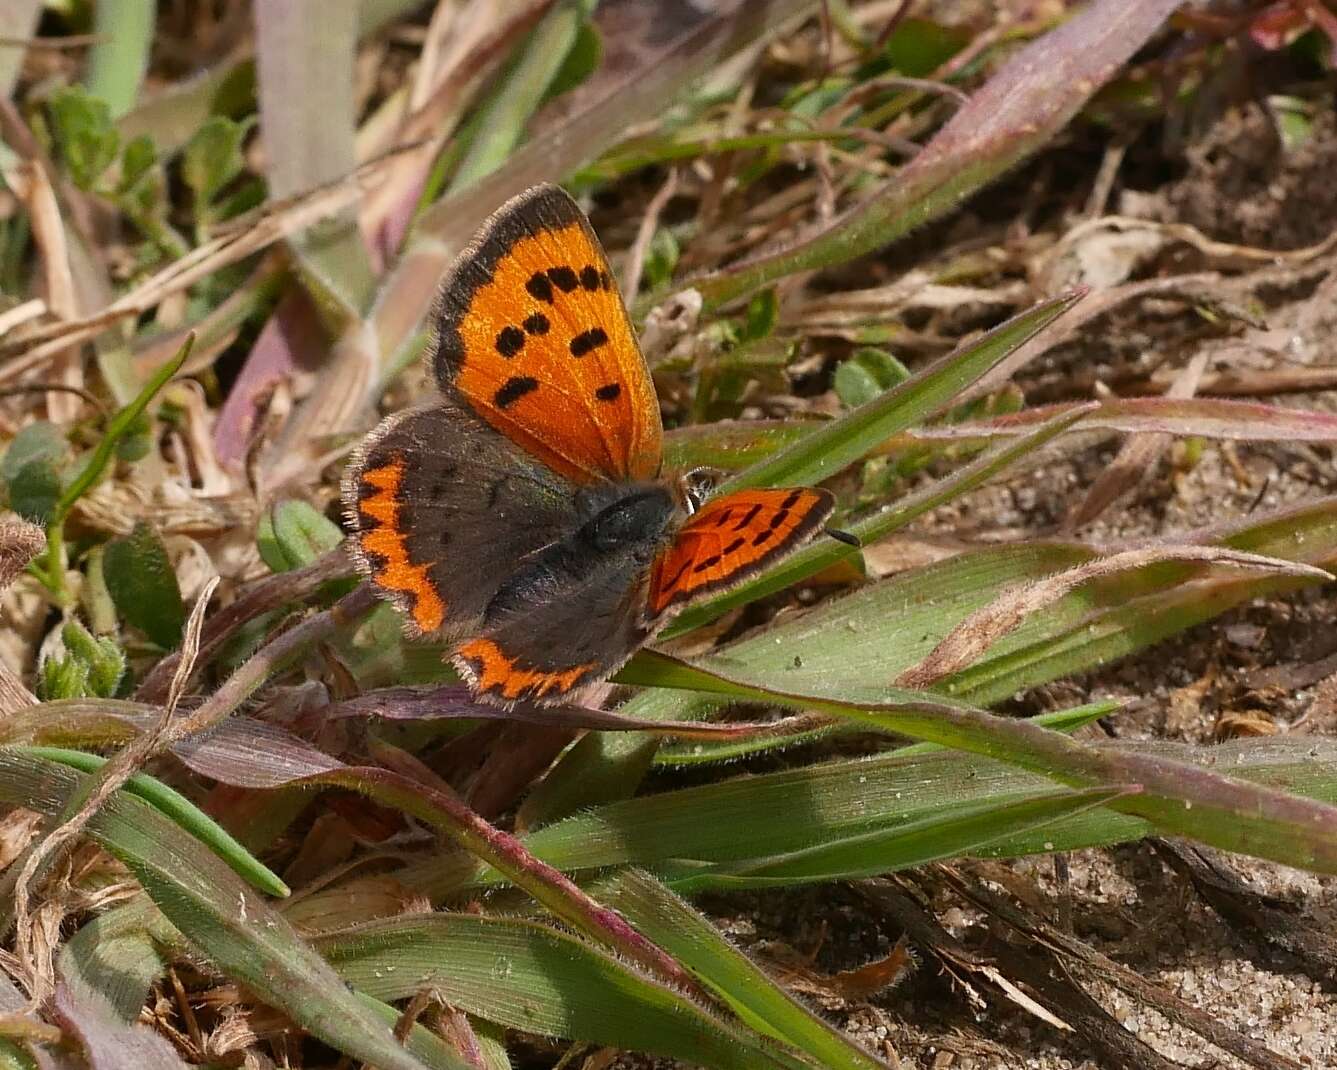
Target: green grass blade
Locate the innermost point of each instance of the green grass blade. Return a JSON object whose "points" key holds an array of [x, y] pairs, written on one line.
{"points": [[734, 978], [812, 807], [117, 427], [1179, 799], [120, 56], [527, 976], [832, 446], [706, 753], [228, 922], [507, 113], [929, 839], [181, 810], [717, 824]]}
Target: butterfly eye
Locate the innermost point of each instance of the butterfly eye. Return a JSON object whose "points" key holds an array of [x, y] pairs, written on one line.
{"points": [[697, 485]]}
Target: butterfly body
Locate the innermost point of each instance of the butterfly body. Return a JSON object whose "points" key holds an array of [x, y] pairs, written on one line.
{"points": [[523, 515]]}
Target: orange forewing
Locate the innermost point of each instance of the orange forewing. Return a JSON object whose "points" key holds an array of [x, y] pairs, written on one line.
{"points": [[533, 336], [383, 545], [495, 673], [731, 537]]}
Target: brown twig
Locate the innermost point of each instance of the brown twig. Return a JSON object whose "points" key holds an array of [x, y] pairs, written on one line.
{"points": [[269, 594], [631, 275], [1163, 1001]]}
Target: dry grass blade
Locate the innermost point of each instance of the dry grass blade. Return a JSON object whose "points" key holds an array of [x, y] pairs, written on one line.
{"points": [[38, 347], [99, 788], [979, 631], [1016, 112], [1086, 959], [1136, 457], [32, 183]]}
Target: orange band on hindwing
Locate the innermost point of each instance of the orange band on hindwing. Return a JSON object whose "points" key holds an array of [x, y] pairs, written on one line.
{"points": [[385, 546], [494, 672]]}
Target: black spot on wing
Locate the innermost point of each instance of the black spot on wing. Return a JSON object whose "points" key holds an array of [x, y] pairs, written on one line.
{"points": [[587, 341], [748, 517], [540, 288], [589, 277], [510, 340], [608, 392], [563, 278], [514, 389], [537, 323]]}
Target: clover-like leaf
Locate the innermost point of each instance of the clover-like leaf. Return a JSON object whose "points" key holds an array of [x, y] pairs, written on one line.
{"points": [[86, 138], [293, 534], [144, 587]]}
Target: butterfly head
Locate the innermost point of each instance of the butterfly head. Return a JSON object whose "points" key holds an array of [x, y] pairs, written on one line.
{"points": [[696, 485]]}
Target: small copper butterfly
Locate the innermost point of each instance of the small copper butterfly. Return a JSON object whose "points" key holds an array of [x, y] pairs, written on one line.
{"points": [[523, 514]]}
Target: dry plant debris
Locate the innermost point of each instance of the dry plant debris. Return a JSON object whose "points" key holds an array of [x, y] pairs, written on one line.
{"points": [[1043, 774]]}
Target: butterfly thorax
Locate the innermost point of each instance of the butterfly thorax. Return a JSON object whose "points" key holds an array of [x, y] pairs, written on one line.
{"points": [[620, 530], [634, 521]]}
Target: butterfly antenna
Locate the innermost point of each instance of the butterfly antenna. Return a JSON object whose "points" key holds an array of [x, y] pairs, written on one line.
{"points": [[848, 538], [538, 550]]}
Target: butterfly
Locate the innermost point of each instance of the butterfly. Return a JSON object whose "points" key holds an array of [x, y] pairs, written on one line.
{"points": [[523, 514]]}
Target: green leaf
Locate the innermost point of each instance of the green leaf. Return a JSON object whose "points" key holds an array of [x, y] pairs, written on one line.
{"points": [[212, 158], [40, 440], [918, 47], [140, 155], [293, 534], [35, 491], [661, 259], [866, 374], [762, 313], [139, 576], [581, 61], [63, 678], [86, 138]]}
